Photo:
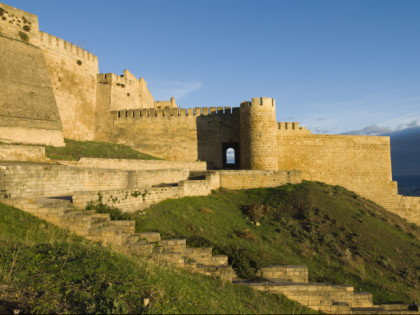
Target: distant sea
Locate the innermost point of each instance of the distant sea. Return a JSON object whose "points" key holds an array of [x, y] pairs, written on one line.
{"points": [[408, 185]]}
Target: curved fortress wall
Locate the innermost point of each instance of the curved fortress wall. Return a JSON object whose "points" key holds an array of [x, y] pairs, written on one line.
{"points": [[258, 129], [28, 110]]}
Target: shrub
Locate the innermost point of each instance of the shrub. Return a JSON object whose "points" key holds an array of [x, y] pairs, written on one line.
{"points": [[256, 211]]}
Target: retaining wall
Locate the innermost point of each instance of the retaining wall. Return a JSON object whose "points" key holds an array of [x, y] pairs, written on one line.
{"points": [[255, 179], [126, 164], [26, 181], [22, 153]]}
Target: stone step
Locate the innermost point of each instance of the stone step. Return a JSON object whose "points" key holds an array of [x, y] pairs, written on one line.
{"points": [[362, 299], [174, 258], [386, 309], [141, 249], [73, 213], [124, 225], [150, 236], [199, 252], [225, 273], [172, 242], [136, 240], [171, 245]]}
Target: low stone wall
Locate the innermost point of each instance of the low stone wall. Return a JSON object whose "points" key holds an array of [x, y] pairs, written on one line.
{"points": [[127, 164], [36, 180], [286, 273], [254, 179], [25, 153], [129, 200]]}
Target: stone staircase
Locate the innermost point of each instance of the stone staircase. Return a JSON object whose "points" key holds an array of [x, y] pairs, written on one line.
{"points": [[292, 281], [121, 235]]}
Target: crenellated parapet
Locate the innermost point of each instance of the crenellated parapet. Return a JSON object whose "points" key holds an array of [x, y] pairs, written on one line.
{"points": [[60, 45], [175, 112], [292, 127]]}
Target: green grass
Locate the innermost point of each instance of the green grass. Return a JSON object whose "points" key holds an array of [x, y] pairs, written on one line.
{"points": [[77, 149], [341, 237], [47, 270]]}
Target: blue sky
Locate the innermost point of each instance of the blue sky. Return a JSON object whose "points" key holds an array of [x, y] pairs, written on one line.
{"points": [[334, 66]]}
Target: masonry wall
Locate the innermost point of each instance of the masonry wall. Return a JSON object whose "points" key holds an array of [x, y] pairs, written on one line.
{"points": [[178, 134], [26, 181], [253, 179], [126, 164], [72, 71], [22, 153], [141, 198], [28, 110], [18, 24], [409, 209], [359, 163]]}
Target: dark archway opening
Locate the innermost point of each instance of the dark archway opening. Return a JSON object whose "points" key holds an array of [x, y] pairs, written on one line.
{"points": [[230, 151]]}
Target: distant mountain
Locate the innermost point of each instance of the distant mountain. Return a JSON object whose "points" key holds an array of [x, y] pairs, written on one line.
{"points": [[405, 151]]}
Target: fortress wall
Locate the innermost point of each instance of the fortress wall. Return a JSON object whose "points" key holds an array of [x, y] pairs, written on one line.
{"points": [[125, 164], [104, 120], [31, 181], [178, 134], [18, 24], [123, 90], [22, 153], [162, 104], [145, 98], [359, 163], [28, 110], [292, 127], [409, 209], [73, 73], [254, 179]]}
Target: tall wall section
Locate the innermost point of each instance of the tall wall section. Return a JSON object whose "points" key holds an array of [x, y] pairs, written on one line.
{"points": [[258, 129], [178, 134], [28, 110], [73, 73], [359, 163], [118, 92]]}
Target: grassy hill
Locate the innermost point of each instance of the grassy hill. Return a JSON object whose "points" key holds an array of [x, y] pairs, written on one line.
{"points": [[76, 149], [44, 269], [341, 237]]}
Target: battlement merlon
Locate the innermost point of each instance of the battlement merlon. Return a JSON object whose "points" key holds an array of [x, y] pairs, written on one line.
{"points": [[61, 46], [292, 127], [259, 101]]}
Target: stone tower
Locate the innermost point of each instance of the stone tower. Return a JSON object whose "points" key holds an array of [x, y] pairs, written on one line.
{"points": [[258, 134]]}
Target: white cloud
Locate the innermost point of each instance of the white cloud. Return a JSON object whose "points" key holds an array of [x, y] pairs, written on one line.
{"points": [[393, 114], [164, 90]]}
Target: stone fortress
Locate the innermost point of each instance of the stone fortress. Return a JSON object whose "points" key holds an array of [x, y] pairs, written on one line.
{"points": [[50, 89]]}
